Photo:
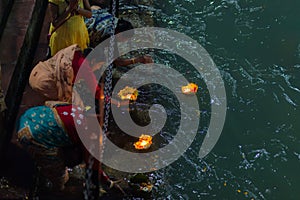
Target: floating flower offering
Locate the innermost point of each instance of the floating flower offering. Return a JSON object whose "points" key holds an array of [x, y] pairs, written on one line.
{"points": [[128, 93], [191, 88], [141, 182], [146, 187], [144, 142]]}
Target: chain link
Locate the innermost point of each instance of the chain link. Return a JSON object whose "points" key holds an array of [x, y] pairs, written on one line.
{"points": [[108, 77], [107, 100], [88, 194]]}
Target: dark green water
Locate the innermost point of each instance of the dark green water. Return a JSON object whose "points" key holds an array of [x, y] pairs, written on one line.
{"points": [[256, 47]]}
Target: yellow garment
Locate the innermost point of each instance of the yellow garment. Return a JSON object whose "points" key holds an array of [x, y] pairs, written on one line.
{"points": [[73, 31]]}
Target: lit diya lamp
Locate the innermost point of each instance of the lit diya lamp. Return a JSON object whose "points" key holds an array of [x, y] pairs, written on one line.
{"points": [[141, 182], [191, 88], [128, 93], [144, 142]]}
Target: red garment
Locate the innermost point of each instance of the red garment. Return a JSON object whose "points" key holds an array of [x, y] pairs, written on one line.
{"points": [[69, 116], [86, 73]]}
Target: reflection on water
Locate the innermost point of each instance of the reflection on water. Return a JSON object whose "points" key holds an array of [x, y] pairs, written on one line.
{"points": [[255, 45]]}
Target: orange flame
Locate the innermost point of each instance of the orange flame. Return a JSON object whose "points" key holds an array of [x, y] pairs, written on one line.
{"points": [[144, 142], [128, 93], [191, 88]]}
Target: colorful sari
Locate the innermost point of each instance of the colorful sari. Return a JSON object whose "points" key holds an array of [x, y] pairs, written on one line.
{"points": [[44, 130], [42, 133], [54, 78], [100, 26], [73, 31]]}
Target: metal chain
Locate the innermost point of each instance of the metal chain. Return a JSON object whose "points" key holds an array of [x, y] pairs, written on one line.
{"points": [[88, 194], [108, 77], [107, 101]]}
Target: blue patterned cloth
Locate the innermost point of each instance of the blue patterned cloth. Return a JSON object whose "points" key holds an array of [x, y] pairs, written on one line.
{"points": [[39, 123], [41, 135], [100, 26]]}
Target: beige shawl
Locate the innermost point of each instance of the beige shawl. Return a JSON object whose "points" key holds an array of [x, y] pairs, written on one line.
{"points": [[53, 77]]}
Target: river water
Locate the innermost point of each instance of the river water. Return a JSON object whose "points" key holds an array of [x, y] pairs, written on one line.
{"points": [[256, 47]]}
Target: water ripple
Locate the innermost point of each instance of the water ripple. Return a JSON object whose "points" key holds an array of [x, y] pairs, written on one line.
{"points": [[246, 41]]}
